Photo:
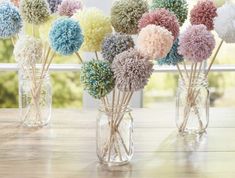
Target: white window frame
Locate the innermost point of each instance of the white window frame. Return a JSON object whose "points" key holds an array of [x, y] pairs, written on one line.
{"points": [[89, 102]]}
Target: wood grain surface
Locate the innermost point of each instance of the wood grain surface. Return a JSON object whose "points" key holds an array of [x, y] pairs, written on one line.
{"points": [[67, 149]]}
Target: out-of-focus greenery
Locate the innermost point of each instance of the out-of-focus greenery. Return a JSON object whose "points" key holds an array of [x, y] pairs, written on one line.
{"points": [[67, 90]]}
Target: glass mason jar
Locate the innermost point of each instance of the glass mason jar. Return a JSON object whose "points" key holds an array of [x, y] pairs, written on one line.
{"points": [[35, 98], [114, 136], [192, 105]]}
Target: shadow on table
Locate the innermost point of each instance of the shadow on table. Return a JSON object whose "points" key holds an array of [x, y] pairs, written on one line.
{"points": [[178, 156]]}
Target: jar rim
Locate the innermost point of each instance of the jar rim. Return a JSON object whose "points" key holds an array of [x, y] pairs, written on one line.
{"points": [[117, 108]]}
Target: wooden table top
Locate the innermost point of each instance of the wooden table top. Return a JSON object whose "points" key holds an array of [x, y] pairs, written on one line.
{"points": [[66, 148]]}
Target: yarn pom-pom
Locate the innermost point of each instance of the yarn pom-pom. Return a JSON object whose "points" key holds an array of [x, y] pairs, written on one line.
{"points": [[163, 18], [28, 50], [66, 36], [97, 78], [131, 70], [204, 13], [16, 2], [196, 43], [34, 11], [69, 7], [125, 15], [173, 57], [154, 41], [10, 20], [95, 26], [178, 7], [53, 4], [225, 22], [116, 44]]}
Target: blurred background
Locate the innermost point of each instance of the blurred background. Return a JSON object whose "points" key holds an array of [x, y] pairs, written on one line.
{"points": [[160, 92]]}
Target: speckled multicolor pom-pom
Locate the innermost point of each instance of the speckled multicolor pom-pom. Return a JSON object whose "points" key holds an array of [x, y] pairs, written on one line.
{"points": [[97, 78], [53, 4]]}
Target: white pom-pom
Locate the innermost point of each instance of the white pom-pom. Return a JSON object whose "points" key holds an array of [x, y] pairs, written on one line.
{"points": [[225, 22]]}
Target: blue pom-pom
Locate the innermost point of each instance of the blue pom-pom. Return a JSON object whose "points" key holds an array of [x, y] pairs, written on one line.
{"points": [[10, 20], [66, 36], [53, 4], [173, 57]]}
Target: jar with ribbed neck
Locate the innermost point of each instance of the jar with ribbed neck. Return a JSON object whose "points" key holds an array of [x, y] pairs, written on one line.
{"points": [[114, 132], [192, 105]]}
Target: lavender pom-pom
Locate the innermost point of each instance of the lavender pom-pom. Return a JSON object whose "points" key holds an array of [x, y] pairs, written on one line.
{"points": [[173, 57], [66, 36], [196, 43], [131, 70], [10, 20], [53, 4], [69, 7], [116, 44]]}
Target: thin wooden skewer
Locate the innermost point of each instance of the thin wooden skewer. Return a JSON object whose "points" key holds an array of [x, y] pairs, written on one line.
{"points": [[185, 69], [79, 57], [214, 57], [181, 75], [96, 55]]}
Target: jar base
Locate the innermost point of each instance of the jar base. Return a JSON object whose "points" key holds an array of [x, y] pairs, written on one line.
{"points": [[113, 164], [192, 131]]}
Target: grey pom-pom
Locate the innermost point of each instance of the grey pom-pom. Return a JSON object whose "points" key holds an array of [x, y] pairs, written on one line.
{"points": [[115, 44], [131, 70]]}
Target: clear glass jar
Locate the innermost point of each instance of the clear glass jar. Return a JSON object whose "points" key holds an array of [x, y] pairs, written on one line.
{"points": [[35, 98], [114, 136], [192, 105]]}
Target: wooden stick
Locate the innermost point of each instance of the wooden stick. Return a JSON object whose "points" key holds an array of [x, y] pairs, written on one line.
{"points": [[79, 57], [214, 57], [185, 69], [181, 75], [96, 55]]}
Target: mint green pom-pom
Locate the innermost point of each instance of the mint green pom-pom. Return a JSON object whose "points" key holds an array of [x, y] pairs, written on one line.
{"points": [[178, 7]]}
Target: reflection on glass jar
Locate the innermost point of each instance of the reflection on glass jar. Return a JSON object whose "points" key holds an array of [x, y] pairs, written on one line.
{"points": [[35, 98], [114, 136], [192, 105]]}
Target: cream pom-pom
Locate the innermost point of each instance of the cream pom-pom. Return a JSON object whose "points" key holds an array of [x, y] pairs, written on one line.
{"points": [[28, 50], [154, 41], [95, 26], [225, 22]]}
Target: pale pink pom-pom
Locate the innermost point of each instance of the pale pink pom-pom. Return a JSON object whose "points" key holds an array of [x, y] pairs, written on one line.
{"points": [[196, 43], [204, 13], [163, 18], [154, 41], [69, 7]]}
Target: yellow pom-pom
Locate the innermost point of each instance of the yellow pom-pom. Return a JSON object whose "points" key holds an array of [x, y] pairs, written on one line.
{"points": [[95, 26]]}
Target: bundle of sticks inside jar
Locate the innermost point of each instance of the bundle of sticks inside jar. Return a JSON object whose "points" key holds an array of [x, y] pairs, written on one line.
{"points": [[190, 79]]}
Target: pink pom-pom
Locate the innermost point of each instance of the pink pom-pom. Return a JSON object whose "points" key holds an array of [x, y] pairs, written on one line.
{"points": [[69, 7], [154, 41], [163, 18], [204, 13], [196, 43]]}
